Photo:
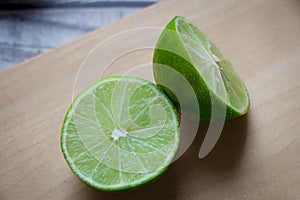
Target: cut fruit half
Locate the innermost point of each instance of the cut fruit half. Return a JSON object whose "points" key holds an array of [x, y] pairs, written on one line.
{"points": [[120, 133], [183, 47]]}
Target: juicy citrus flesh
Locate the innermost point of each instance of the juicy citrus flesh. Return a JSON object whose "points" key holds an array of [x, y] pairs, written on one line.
{"points": [[183, 47], [216, 71], [120, 133]]}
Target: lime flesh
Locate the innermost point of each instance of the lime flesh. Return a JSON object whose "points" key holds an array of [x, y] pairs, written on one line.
{"points": [[183, 47], [120, 133]]}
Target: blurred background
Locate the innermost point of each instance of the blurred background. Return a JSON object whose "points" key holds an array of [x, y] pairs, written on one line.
{"points": [[31, 27]]}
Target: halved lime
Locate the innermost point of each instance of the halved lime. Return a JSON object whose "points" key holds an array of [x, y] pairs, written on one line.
{"points": [[183, 47], [120, 133]]}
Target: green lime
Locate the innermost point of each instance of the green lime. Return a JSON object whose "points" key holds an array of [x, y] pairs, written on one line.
{"points": [[120, 133], [183, 47]]}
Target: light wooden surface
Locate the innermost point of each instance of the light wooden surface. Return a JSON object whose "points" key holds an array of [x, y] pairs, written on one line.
{"points": [[257, 156]]}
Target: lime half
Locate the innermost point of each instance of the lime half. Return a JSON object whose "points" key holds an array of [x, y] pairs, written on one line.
{"points": [[120, 133], [183, 47]]}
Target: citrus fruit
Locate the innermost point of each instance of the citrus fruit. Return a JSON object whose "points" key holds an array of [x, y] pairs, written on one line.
{"points": [[120, 133], [184, 48]]}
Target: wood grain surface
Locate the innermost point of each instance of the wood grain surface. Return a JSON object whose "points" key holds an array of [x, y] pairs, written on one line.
{"points": [[257, 156]]}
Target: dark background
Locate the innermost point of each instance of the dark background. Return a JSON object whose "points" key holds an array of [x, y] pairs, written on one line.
{"points": [[31, 27]]}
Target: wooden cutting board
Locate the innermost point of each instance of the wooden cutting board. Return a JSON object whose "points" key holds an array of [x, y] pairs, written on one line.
{"points": [[257, 156]]}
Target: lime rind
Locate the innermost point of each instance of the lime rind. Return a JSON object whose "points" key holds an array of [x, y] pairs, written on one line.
{"points": [[95, 167]]}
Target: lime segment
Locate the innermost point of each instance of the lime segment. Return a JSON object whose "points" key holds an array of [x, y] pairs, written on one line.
{"points": [[216, 71], [120, 133], [183, 47]]}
